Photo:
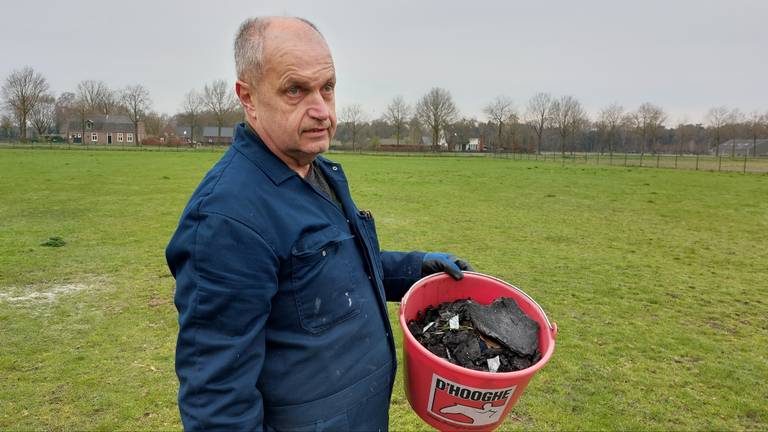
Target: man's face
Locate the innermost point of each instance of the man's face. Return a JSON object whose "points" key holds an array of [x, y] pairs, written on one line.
{"points": [[294, 101]]}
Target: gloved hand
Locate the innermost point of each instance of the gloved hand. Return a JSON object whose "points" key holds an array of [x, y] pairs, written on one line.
{"points": [[435, 262]]}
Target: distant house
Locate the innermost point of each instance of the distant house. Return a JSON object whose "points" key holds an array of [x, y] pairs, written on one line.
{"points": [[743, 147], [211, 134], [476, 145], [103, 129], [427, 140]]}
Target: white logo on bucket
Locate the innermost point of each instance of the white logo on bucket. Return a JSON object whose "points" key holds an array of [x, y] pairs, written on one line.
{"points": [[459, 404]]}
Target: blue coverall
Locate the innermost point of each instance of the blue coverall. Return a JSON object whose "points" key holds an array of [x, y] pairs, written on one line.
{"points": [[282, 300]]}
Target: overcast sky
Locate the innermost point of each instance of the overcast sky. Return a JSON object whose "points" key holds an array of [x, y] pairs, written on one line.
{"points": [[684, 55]]}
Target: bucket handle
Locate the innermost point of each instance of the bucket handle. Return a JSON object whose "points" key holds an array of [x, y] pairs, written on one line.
{"points": [[552, 326]]}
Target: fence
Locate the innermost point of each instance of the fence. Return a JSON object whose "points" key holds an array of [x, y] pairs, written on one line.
{"points": [[697, 162], [113, 147], [751, 164]]}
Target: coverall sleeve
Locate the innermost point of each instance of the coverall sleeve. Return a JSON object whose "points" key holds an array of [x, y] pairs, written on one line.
{"points": [[401, 270], [226, 276]]}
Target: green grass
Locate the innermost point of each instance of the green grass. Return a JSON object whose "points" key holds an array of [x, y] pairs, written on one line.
{"points": [[656, 279]]}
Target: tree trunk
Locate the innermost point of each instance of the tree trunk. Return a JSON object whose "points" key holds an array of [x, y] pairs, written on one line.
{"points": [[538, 141], [754, 145], [562, 145], [23, 127], [498, 141]]}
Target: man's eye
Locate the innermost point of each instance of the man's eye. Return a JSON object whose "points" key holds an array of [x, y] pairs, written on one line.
{"points": [[328, 87], [293, 91]]}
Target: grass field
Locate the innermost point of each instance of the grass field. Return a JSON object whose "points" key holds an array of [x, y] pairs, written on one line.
{"points": [[656, 279], [704, 162]]}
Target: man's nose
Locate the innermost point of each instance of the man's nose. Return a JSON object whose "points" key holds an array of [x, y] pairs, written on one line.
{"points": [[318, 107]]}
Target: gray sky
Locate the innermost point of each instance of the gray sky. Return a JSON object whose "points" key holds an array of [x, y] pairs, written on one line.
{"points": [[684, 55]]}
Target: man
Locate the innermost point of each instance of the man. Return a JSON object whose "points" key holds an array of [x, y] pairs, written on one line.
{"points": [[281, 286]]}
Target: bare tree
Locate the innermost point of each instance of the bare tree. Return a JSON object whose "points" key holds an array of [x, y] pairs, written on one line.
{"points": [[580, 123], [397, 114], [155, 123], [65, 108], [136, 101], [436, 110], [415, 131], [566, 114], [717, 118], [538, 114], [6, 125], [651, 117], [83, 108], [43, 116], [192, 106], [757, 124], [95, 96], [680, 134], [500, 111], [609, 122], [353, 115], [220, 99], [109, 102], [22, 92], [734, 121]]}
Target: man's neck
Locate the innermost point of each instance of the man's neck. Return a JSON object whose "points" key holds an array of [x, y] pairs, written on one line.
{"points": [[295, 165]]}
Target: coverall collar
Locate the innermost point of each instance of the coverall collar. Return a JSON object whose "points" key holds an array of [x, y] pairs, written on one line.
{"points": [[250, 145]]}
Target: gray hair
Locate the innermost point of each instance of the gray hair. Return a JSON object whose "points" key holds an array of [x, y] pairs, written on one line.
{"points": [[249, 47]]}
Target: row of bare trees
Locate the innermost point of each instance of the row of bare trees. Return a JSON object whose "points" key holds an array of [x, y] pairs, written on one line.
{"points": [[29, 101], [436, 111], [27, 97], [217, 99], [545, 119], [561, 123]]}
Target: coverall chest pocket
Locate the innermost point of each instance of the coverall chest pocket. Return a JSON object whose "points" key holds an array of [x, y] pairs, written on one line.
{"points": [[325, 268]]}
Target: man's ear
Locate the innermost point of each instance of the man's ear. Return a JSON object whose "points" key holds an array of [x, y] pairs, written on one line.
{"points": [[246, 95]]}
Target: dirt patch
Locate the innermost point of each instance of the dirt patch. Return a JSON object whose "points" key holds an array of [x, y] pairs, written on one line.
{"points": [[42, 293], [155, 302]]}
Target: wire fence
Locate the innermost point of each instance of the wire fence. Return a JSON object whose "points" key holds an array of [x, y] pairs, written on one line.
{"points": [[721, 163], [114, 147]]}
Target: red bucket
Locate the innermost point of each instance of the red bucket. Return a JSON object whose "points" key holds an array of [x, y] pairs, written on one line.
{"points": [[450, 397]]}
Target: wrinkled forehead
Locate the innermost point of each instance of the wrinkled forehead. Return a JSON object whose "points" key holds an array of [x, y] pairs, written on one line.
{"points": [[304, 55]]}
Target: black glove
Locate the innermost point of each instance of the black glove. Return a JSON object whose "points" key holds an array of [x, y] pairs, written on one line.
{"points": [[435, 262]]}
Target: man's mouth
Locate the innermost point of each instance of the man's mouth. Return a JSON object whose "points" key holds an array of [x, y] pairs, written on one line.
{"points": [[315, 131]]}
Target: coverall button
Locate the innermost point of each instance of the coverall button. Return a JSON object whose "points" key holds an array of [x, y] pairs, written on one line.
{"points": [[323, 252], [335, 168]]}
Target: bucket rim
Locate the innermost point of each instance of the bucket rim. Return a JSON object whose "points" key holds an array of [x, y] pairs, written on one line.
{"points": [[529, 371]]}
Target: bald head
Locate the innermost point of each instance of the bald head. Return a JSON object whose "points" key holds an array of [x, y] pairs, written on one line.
{"points": [[254, 35]]}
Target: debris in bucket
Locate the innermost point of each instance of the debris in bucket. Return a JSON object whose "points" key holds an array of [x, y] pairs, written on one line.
{"points": [[493, 364], [493, 338]]}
